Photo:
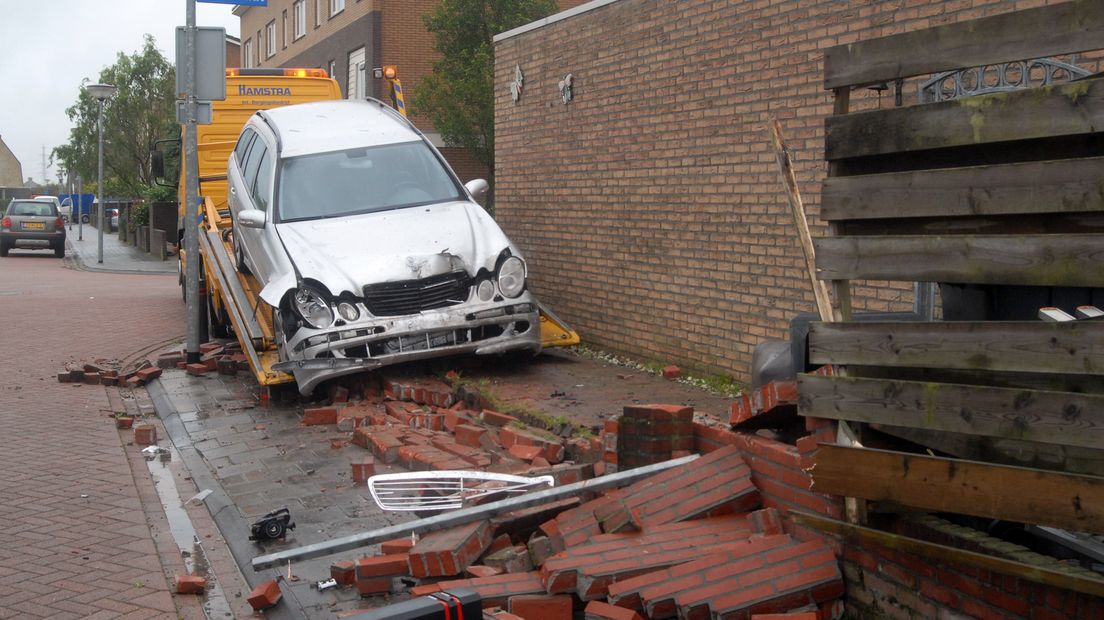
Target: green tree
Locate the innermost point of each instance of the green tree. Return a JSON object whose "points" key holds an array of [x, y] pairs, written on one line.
{"points": [[142, 111], [458, 97]]}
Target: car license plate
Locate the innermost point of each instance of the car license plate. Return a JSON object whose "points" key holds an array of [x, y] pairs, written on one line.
{"points": [[34, 226]]}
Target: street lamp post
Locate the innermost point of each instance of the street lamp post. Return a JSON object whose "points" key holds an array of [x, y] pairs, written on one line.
{"points": [[101, 93]]}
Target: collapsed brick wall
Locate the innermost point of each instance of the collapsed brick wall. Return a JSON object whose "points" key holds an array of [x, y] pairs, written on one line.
{"points": [[650, 206]]}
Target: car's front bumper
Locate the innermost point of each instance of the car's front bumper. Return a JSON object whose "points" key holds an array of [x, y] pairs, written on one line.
{"points": [[315, 355]]}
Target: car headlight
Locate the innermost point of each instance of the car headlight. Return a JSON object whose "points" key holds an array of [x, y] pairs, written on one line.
{"points": [[485, 290], [348, 311], [313, 307], [511, 277]]}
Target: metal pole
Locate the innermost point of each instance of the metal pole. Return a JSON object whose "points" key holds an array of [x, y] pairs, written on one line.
{"points": [[80, 216], [191, 190], [99, 184], [465, 515]]}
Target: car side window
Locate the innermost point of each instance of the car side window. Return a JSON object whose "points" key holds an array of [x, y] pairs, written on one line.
{"points": [[243, 145], [262, 189], [252, 165]]}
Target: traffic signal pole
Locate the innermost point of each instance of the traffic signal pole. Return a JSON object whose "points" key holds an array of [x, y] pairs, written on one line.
{"points": [[191, 191]]}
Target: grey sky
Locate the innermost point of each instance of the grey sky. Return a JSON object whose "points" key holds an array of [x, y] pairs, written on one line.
{"points": [[48, 46]]}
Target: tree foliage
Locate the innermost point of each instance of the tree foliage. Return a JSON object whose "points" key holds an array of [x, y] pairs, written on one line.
{"points": [[142, 112], [458, 97]]}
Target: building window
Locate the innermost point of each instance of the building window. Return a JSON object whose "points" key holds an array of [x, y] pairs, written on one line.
{"points": [[270, 39], [247, 54], [336, 6], [357, 75], [300, 9], [283, 33], [333, 69], [317, 13]]}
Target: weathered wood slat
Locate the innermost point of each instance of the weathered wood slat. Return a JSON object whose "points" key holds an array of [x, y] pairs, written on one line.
{"points": [[1051, 382], [965, 487], [1049, 417], [856, 535], [1024, 224], [1066, 186], [1034, 260], [1034, 33], [1014, 346], [1070, 459], [1075, 108]]}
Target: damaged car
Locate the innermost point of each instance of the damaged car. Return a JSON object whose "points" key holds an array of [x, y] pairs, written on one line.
{"points": [[366, 245]]}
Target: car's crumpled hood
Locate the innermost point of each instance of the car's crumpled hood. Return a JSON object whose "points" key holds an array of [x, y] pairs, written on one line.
{"points": [[347, 253]]}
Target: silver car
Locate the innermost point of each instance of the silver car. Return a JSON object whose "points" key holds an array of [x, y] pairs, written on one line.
{"points": [[367, 247], [32, 224]]}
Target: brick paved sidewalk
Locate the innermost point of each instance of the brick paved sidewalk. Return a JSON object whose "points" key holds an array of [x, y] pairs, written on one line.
{"points": [[76, 541]]}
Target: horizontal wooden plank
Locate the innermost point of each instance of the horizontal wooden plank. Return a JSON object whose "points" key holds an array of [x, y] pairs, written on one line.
{"points": [[1034, 415], [1052, 382], [1015, 346], [1059, 576], [1017, 494], [1030, 260], [1047, 187], [1034, 33], [1075, 108], [1070, 459]]}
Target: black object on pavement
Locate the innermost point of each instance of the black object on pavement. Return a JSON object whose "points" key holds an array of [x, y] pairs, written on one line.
{"points": [[272, 526]]}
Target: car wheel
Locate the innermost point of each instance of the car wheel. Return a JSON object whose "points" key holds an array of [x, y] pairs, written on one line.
{"points": [[59, 251], [239, 256], [3, 248], [85, 219]]}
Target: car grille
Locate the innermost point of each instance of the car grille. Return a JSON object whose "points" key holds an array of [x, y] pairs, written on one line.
{"points": [[413, 296]]}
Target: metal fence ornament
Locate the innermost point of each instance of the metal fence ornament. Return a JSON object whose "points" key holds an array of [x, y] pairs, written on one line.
{"points": [[567, 88], [518, 84]]}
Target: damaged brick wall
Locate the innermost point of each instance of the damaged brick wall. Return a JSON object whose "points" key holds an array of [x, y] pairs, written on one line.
{"points": [[650, 206]]}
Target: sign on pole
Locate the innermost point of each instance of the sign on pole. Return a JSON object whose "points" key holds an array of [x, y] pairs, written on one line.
{"points": [[210, 63]]}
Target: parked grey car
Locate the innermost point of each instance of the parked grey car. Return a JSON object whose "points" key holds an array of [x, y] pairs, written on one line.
{"points": [[367, 246], [34, 225]]}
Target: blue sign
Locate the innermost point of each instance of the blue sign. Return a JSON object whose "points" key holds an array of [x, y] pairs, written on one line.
{"points": [[241, 2]]}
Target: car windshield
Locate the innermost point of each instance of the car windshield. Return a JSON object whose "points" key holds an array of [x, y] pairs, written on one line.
{"points": [[30, 208], [362, 180]]}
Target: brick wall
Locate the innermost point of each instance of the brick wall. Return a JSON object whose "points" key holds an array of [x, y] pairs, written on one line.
{"points": [[650, 207]]}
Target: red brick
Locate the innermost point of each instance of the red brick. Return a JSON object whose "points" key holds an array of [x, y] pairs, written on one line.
{"points": [[525, 453], [495, 418], [319, 416], [500, 542], [597, 610], [396, 546], [210, 347], [370, 586], [383, 566], [767, 521], [364, 469], [479, 570], [495, 591], [469, 435], [64, 377], [797, 615], [190, 584], [343, 572], [265, 595], [544, 607], [145, 435], [513, 559], [195, 369], [671, 372], [449, 552], [149, 374]]}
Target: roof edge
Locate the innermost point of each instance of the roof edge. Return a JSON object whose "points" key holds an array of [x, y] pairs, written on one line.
{"points": [[551, 19]]}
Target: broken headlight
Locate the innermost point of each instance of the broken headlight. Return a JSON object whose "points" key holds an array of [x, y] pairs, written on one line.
{"points": [[313, 307], [511, 277]]}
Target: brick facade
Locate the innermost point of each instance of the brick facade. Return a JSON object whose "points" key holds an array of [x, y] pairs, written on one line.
{"points": [[650, 206], [11, 172]]}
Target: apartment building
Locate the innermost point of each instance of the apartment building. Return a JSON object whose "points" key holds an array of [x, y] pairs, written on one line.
{"points": [[349, 38]]}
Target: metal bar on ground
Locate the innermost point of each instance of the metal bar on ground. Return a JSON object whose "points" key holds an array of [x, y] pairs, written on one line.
{"points": [[464, 515]]}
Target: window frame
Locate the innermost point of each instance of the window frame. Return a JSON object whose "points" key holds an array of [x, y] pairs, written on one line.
{"points": [[317, 14], [284, 29], [270, 39], [299, 20], [336, 6], [247, 53]]}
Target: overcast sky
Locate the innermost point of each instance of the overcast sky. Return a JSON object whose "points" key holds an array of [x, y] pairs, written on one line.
{"points": [[48, 46]]}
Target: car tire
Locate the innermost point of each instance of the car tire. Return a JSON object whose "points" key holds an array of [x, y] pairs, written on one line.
{"points": [[4, 248], [239, 257], [59, 250], [85, 219]]}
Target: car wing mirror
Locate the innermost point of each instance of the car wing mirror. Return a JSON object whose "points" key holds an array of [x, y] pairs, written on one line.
{"points": [[252, 218], [477, 188]]}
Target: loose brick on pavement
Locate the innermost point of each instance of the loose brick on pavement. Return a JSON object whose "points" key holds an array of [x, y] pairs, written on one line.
{"points": [[449, 552]]}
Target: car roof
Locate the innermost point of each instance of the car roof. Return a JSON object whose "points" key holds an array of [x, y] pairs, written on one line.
{"points": [[325, 126]]}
